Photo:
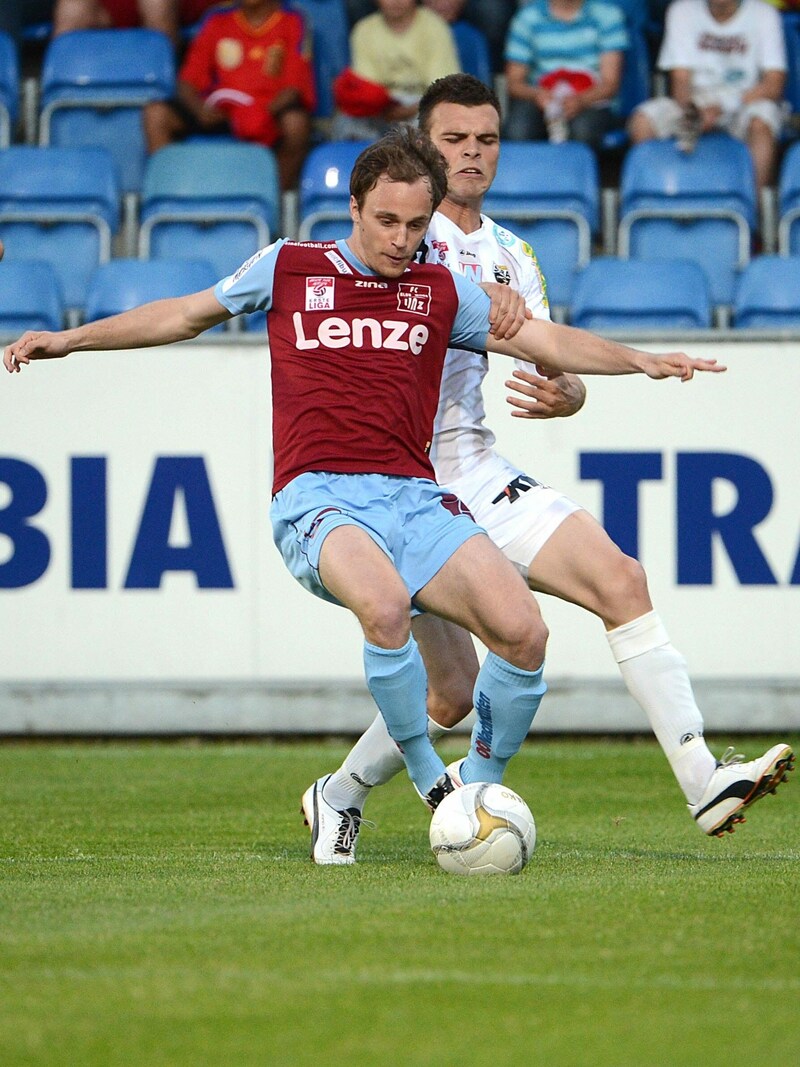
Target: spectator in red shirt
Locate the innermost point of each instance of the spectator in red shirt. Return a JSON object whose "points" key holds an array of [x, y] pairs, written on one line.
{"points": [[247, 72]]}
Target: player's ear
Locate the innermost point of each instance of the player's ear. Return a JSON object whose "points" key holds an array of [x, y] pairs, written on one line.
{"points": [[355, 214]]}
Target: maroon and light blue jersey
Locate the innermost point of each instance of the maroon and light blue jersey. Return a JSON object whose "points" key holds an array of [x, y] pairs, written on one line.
{"points": [[356, 358]]}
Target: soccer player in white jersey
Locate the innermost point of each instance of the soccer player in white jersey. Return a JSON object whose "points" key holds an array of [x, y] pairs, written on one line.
{"points": [[559, 548]]}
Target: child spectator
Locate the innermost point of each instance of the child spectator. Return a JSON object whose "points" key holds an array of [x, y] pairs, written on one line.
{"points": [[401, 48], [248, 73], [563, 70]]}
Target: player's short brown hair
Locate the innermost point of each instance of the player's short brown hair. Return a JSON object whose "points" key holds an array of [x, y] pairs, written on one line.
{"points": [[464, 89], [405, 154]]}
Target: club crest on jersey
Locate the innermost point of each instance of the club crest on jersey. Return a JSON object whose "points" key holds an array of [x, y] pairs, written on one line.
{"points": [[319, 294], [414, 298], [441, 249], [502, 274]]}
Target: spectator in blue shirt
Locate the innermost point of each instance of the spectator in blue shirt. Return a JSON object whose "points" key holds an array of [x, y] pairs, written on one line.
{"points": [[563, 69]]}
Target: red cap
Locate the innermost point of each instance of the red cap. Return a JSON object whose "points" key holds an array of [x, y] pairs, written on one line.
{"points": [[359, 96], [575, 79]]}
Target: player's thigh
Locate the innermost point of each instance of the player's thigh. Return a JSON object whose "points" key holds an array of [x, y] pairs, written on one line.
{"points": [[479, 589], [362, 577], [580, 563]]}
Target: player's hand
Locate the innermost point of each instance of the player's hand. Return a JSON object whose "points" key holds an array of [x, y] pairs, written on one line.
{"points": [[34, 345], [508, 310], [546, 395], [679, 365]]}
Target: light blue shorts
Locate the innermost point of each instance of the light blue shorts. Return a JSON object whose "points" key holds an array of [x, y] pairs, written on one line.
{"points": [[416, 523]]}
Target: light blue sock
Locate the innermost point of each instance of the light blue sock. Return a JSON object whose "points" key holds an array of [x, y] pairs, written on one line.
{"points": [[397, 680], [506, 700]]}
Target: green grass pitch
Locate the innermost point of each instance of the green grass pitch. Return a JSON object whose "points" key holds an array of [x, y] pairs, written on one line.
{"points": [[158, 909]]}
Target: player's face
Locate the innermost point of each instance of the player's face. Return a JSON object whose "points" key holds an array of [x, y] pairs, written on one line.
{"points": [[469, 139], [390, 225]]}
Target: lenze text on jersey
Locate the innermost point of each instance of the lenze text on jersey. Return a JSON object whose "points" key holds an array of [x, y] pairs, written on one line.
{"points": [[181, 484], [335, 332]]}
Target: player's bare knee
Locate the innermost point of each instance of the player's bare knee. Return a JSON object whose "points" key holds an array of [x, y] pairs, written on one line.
{"points": [[386, 622], [524, 642], [624, 595]]}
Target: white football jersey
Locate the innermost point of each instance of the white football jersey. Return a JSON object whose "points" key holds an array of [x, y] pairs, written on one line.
{"points": [[490, 254]]}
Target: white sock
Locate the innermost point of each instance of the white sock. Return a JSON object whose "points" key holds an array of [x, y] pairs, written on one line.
{"points": [[657, 679], [373, 760]]}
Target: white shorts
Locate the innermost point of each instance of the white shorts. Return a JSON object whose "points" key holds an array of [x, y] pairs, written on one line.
{"points": [[517, 512], [665, 115]]}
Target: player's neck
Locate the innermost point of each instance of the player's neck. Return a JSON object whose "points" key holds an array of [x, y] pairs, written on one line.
{"points": [[466, 216]]}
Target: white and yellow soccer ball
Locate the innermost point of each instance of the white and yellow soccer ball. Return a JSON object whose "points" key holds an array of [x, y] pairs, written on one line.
{"points": [[483, 828]]}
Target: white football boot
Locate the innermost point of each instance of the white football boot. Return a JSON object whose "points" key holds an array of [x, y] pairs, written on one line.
{"points": [[333, 833], [735, 785], [454, 770]]}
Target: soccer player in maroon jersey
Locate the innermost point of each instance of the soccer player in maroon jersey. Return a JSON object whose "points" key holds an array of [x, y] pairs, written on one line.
{"points": [[358, 332]]}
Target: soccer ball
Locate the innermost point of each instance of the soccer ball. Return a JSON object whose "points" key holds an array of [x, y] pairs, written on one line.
{"points": [[483, 828]]}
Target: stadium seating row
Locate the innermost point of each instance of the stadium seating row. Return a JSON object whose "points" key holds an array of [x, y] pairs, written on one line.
{"points": [[93, 83], [219, 200], [701, 207], [610, 293]]}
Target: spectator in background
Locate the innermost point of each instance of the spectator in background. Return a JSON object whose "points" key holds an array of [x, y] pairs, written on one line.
{"points": [[491, 17], [248, 73], [395, 53], [168, 16], [563, 70], [160, 15], [452, 11], [727, 71]]}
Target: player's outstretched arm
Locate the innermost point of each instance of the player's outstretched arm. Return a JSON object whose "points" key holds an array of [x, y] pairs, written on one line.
{"points": [[565, 348], [157, 323]]}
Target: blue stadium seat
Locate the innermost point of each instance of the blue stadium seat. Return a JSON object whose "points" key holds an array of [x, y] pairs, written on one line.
{"points": [[94, 84], [699, 205], [9, 89], [60, 205], [30, 297], [768, 294], [330, 40], [789, 202], [549, 195], [209, 198], [324, 195], [123, 284], [473, 51], [621, 294]]}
